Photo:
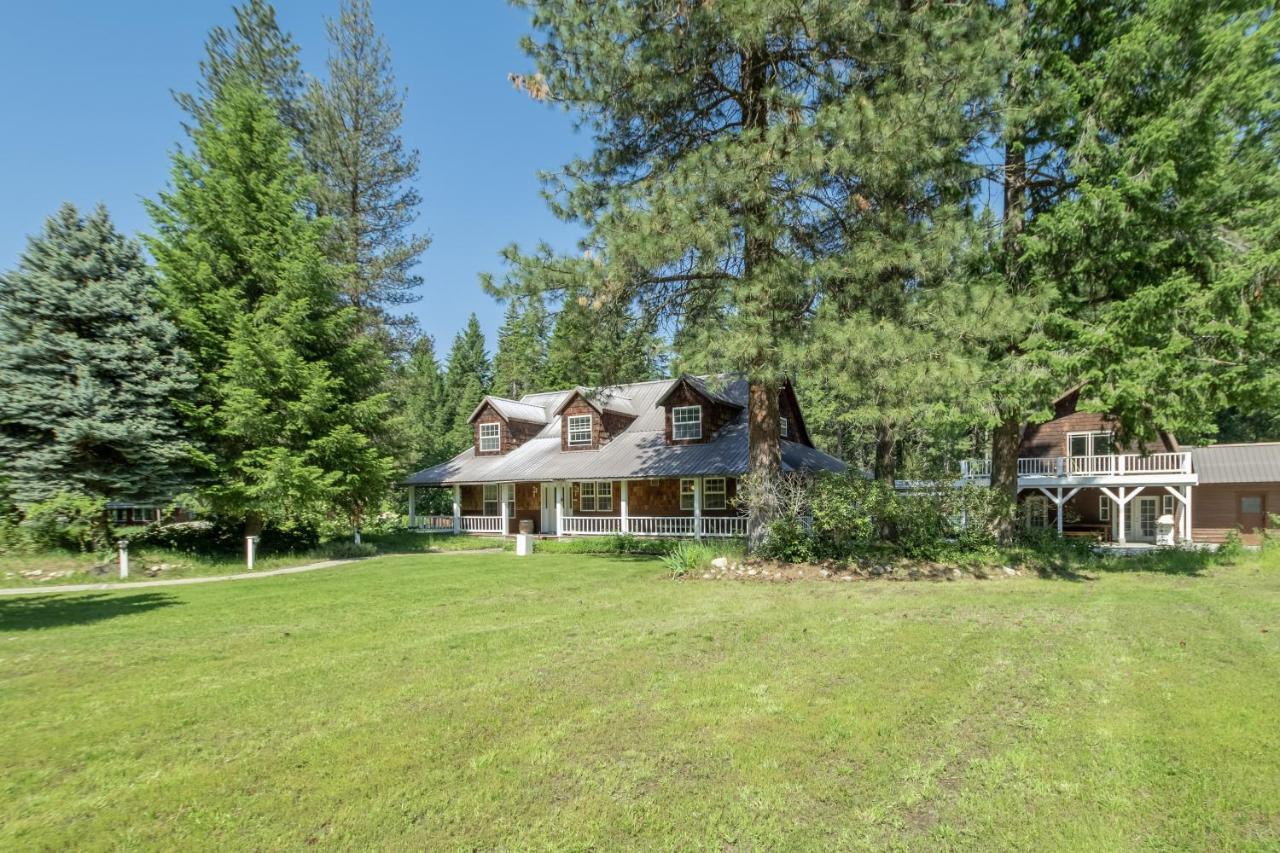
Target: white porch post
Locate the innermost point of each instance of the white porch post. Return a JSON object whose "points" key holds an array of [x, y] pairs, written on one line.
{"points": [[457, 509], [625, 521], [1058, 503], [1186, 510], [503, 490], [413, 507], [1120, 514], [697, 507], [559, 487]]}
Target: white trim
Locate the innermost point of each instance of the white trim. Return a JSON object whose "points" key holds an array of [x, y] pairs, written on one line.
{"points": [[722, 493], [693, 494], [570, 429], [496, 437], [784, 426], [485, 500], [677, 424], [1092, 433], [600, 490], [1104, 508]]}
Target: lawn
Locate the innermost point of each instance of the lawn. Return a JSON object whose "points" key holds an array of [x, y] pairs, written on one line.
{"points": [[452, 701]]}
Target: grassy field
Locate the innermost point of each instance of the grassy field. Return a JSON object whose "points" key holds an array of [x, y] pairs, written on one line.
{"points": [[569, 701]]}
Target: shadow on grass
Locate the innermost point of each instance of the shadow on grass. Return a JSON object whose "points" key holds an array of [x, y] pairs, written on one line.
{"points": [[33, 612], [1078, 566]]}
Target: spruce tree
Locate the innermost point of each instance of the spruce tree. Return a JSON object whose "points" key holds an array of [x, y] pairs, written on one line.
{"points": [[598, 345], [288, 401], [420, 402], [366, 174], [254, 52], [467, 378], [89, 369], [519, 364]]}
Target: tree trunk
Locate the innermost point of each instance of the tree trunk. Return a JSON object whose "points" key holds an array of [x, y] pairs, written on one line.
{"points": [[886, 463], [764, 456], [252, 525], [1005, 441]]}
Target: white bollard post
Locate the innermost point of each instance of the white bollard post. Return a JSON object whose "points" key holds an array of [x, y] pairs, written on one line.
{"points": [[250, 550], [124, 558]]}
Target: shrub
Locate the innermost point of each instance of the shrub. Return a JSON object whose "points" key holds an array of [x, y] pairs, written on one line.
{"points": [[1231, 548], [347, 550], [789, 540], [223, 536], [618, 543], [688, 557], [69, 521]]}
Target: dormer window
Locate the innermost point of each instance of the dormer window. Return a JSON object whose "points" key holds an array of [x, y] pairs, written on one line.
{"points": [[686, 422], [579, 427], [490, 437], [784, 427]]}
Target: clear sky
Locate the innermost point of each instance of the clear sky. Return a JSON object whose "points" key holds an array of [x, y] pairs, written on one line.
{"points": [[88, 117]]}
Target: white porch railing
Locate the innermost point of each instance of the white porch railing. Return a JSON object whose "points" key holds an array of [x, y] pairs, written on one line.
{"points": [[442, 523], [588, 525], [1117, 465], [656, 525], [466, 523]]}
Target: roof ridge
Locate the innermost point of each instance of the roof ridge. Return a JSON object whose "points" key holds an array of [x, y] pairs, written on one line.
{"points": [[1236, 444]]}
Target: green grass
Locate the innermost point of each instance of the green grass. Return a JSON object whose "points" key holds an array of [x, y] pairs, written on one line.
{"points": [[568, 701]]}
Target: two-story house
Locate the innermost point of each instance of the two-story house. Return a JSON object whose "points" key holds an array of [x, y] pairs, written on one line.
{"points": [[1073, 475], [656, 458]]}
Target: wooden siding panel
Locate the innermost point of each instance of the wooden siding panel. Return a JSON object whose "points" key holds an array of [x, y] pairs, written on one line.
{"points": [[714, 415], [1215, 509]]}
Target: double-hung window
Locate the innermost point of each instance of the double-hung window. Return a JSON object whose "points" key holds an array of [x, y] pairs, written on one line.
{"points": [[686, 422], [491, 498], [490, 437], [595, 497], [1104, 508], [579, 427], [784, 427], [688, 488], [713, 493], [1166, 507]]}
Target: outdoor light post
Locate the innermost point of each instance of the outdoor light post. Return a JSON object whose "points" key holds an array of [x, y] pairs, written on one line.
{"points": [[250, 550], [123, 544]]}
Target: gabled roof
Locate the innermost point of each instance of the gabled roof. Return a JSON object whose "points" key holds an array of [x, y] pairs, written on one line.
{"points": [[700, 385], [639, 451], [1237, 463], [512, 410], [601, 399]]}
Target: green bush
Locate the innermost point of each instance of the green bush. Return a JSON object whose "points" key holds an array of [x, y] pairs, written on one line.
{"points": [[347, 550], [70, 522], [617, 543], [1231, 548], [690, 556]]}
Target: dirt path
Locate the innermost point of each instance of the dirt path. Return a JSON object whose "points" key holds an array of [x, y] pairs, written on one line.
{"points": [[291, 570]]}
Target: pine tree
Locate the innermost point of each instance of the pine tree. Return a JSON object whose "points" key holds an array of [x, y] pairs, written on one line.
{"points": [[255, 52], [421, 400], [719, 131], [519, 364], [89, 369], [467, 378], [287, 403], [596, 345], [366, 174]]}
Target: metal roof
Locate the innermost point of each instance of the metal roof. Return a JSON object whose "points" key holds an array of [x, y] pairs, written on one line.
{"points": [[512, 410], [640, 451], [1237, 463], [601, 399]]}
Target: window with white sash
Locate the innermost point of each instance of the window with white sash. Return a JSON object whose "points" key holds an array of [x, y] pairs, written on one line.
{"points": [[1166, 508], [784, 427], [490, 499], [1089, 444], [686, 422], [688, 490], [1104, 508], [490, 437], [579, 427], [713, 493], [595, 497]]}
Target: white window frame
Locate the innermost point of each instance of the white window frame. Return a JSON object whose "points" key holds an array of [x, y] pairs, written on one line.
{"points": [[1090, 436], [570, 429], [496, 437], [120, 515], [715, 492], [690, 493], [485, 500], [598, 494], [1104, 508], [1043, 503], [1166, 505], [784, 427], [693, 426]]}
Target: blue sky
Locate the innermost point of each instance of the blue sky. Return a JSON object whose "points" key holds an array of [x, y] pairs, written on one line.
{"points": [[88, 117]]}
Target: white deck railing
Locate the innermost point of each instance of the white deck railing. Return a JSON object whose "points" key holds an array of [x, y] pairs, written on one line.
{"points": [[589, 525], [442, 523], [1118, 465], [466, 523]]}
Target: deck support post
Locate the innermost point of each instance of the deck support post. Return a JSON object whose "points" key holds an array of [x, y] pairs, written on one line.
{"points": [[413, 507], [457, 509], [1058, 504], [1187, 520], [697, 507], [624, 520]]}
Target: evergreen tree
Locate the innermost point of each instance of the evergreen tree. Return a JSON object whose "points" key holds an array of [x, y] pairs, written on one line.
{"points": [[89, 369], [288, 403], [421, 402], [255, 52], [719, 129], [519, 364], [353, 145], [598, 345], [467, 378]]}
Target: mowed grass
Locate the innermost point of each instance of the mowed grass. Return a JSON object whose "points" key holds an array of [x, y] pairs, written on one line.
{"points": [[459, 701]]}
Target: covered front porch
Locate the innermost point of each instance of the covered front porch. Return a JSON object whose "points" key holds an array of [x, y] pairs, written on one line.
{"points": [[692, 507]]}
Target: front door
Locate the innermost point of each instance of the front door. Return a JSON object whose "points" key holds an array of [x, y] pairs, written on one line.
{"points": [[1144, 520], [548, 491], [1253, 513]]}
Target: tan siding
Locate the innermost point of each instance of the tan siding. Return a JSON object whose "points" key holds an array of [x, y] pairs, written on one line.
{"points": [[1215, 509]]}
